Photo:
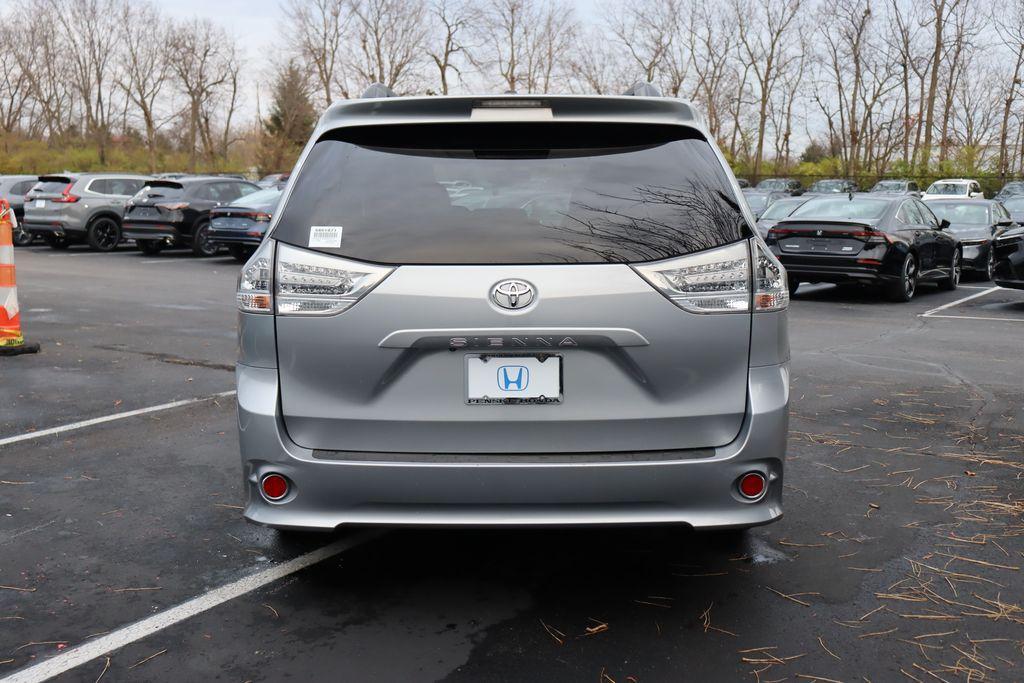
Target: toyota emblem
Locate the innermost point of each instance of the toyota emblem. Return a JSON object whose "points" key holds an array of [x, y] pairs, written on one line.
{"points": [[513, 294]]}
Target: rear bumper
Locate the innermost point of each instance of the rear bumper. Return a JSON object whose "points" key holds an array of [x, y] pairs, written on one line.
{"points": [[234, 237], [1009, 271], [696, 489], [151, 231], [58, 228], [975, 257], [845, 273]]}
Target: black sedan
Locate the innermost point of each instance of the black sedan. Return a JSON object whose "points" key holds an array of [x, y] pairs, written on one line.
{"points": [[177, 212], [1009, 256], [1014, 188], [887, 241], [974, 222], [240, 226]]}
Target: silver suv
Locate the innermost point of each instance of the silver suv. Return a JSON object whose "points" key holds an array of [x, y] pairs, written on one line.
{"points": [[87, 207], [512, 311]]}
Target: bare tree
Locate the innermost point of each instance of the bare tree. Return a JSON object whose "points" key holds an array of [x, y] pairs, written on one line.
{"points": [[389, 36], [146, 67], [1011, 35], [89, 34], [941, 10], [15, 93], [764, 28], [318, 30], [204, 63], [447, 46], [646, 30]]}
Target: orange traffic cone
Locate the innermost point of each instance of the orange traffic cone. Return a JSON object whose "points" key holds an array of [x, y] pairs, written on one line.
{"points": [[12, 342]]}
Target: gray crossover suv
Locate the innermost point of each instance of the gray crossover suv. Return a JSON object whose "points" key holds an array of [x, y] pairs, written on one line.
{"points": [[86, 207], [588, 331]]}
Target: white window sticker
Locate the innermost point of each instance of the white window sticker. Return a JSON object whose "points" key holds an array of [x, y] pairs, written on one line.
{"points": [[325, 236]]}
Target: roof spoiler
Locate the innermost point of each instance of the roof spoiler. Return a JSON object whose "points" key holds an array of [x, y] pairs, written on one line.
{"points": [[643, 89], [377, 90]]}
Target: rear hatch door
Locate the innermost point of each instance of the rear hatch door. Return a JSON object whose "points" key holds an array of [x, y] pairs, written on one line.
{"points": [[564, 211], [48, 199], [157, 202], [821, 237]]}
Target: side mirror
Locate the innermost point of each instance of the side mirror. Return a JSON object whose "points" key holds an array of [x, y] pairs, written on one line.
{"points": [[944, 224]]}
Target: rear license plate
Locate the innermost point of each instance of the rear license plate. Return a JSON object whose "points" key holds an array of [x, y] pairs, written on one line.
{"points": [[513, 379], [40, 203]]}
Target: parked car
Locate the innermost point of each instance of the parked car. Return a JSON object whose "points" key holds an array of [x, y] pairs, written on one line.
{"points": [[241, 225], [956, 188], [897, 187], [408, 361], [274, 180], [779, 209], [168, 213], [172, 175], [760, 200], [13, 188], [1015, 205], [1009, 258], [69, 208], [975, 223], [888, 241], [788, 185], [1014, 188], [833, 186]]}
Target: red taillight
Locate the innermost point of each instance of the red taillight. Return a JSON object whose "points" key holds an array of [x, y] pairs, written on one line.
{"points": [[869, 262], [66, 197], [752, 485], [275, 487]]}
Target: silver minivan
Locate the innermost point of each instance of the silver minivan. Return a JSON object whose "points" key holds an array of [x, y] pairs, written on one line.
{"points": [[512, 310]]}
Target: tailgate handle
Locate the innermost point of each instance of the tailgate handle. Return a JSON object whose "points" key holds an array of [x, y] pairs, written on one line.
{"points": [[513, 337]]}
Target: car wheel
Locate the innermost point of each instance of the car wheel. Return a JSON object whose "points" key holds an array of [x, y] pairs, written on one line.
{"points": [[22, 237], [239, 252], [149, 247], [951, 281], [59, 243], [906, 286], [793, 285], [201, 245], [104, 234], [990, 265]]}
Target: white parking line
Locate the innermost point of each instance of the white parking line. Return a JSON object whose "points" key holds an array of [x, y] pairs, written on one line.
{"points": [[110, 418], [928, 314], [126, 635]]}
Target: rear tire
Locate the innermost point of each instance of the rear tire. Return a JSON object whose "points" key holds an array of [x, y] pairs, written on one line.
{"points": [[903, 290], [149, 247], [58, 243], [22, 237], [201, 245], [951, 281], [990, 265], [103, 234]]}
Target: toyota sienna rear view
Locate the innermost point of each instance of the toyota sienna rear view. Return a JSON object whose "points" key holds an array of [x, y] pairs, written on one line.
{"points": [[512, 311]]}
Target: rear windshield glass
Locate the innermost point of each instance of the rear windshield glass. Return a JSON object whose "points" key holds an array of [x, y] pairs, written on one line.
{"points": [[513, 194], [780, 210], [1014, 204], [159, 190], [961, 213], [263, 199], [51, 186], [888, 186], [853, 209], [948, 188]]}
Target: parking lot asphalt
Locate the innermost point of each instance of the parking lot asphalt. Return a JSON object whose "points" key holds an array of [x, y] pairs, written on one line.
{"points": [[899, 558]]}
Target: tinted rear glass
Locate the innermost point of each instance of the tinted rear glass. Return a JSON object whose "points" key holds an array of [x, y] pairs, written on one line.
{"points": [[263, 199], [513, 193], [852, 209], [51, 186], [961, 213], [159, 190]]}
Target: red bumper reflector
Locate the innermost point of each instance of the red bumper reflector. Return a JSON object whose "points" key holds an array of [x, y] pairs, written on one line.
{"points": [[275, 487], [869, 261], [752, 484]]}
